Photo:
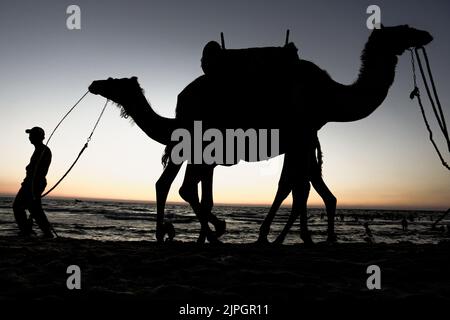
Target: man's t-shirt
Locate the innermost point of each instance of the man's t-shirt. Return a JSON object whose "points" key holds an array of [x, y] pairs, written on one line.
{"points": [[38, 167]]}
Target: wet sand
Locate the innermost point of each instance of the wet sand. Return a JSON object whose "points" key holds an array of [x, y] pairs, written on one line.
{"points": [[187, 272]]}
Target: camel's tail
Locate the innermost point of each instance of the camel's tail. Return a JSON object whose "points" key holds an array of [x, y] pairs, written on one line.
{"points": [[319, 156], [166, 155]]}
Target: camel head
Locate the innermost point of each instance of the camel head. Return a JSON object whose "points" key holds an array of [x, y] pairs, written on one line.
{"points": [[118, 91], [397, 39]]}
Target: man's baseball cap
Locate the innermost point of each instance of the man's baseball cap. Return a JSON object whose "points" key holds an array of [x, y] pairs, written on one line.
{"points": [[37, 131]]}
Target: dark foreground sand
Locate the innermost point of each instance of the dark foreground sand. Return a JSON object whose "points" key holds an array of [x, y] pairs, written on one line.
{"points": [[186, 272]]}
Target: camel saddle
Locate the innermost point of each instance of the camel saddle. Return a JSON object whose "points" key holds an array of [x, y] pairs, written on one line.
{"points": [[250, 62]]}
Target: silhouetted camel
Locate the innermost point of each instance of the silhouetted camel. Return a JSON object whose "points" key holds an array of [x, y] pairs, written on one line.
{"points": [[306, 100]]}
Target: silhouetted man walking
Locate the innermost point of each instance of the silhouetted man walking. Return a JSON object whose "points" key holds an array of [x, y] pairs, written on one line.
{"points": [[29, 195]]}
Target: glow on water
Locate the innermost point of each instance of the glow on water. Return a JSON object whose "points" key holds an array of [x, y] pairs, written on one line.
{"points": [[126, 221]]}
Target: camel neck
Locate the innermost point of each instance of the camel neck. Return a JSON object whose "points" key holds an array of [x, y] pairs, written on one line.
{"points": [[377, 71], [360, 99], [155, 126]]}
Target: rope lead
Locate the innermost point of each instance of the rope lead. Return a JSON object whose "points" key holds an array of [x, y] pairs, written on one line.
{"points": [[82, 149], [415, 93]]}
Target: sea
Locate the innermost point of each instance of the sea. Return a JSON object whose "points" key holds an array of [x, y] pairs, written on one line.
{"points": [[109, 220]]}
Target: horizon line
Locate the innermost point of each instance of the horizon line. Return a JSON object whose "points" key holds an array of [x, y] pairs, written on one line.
{"points": [[240, 204]]}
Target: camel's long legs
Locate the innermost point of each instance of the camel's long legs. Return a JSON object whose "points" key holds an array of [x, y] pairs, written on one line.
{"points": [[300, 193], [204, 174], [330, 203], [192, 177], [189, 193], [162, 190], [207, 201], [284, 189], [291, 177]]}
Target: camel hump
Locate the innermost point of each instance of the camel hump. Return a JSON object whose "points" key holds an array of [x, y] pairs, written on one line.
{"points": [[253, 62]]}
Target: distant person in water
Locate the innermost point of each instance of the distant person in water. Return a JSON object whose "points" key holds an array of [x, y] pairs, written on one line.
{"points": [[369, 237], [404, 224], [29, 195]]}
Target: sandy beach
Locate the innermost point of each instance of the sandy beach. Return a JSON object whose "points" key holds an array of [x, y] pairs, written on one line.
{"points": [[244, 273]]}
